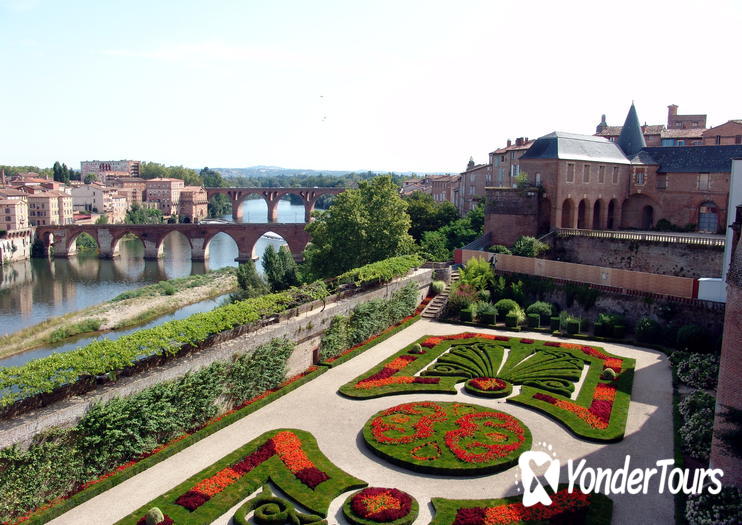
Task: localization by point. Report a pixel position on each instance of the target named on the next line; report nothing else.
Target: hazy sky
(378, 85)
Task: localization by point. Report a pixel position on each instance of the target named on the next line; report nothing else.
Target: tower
(631, 140)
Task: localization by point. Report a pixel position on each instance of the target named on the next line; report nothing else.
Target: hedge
(382, 271)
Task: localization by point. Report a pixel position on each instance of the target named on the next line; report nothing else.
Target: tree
(90, 178)
(57, 171)
(103, 219)
(433, 246)
(219, 205)
(251, 284)
(428, 215)
(362, 226)
(138, 215)
(279, 268)
(529, 247)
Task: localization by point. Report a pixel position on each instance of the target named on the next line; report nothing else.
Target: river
(34, 290)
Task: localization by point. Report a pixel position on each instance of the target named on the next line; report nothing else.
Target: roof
(8, 202)
(514, 147)
(693, 159)
(693, 133)
(647, 129)
(478, 167)
(631, 140)
(164, 179)
(571, 146)
(13, 191)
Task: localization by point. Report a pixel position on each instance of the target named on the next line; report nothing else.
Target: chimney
(509, 143)
(672, 110)
(519, 141)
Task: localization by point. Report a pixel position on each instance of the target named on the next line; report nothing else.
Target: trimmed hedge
(382, 271)
(354, 519)
(315, 499)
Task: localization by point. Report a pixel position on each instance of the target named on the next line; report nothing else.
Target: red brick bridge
(271, 196)
(108, 236)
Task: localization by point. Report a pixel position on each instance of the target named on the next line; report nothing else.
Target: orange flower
(288, 447)
(218, 482)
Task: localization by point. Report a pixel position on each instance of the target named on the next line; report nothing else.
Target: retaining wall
(304, 326)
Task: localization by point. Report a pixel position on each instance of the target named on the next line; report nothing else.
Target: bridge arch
(238, 214)
(115, 243)
(172, 235)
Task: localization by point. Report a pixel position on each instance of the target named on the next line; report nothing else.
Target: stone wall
(678, 259)
(305, 329)
(510, 214)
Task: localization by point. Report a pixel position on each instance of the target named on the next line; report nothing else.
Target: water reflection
(32, 291)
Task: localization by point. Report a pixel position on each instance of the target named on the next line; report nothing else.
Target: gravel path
(336, 422)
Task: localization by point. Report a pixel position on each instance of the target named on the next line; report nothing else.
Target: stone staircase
(437, 305)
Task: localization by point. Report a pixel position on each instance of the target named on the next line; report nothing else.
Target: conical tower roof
(631, 139)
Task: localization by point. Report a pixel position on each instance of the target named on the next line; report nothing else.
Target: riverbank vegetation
(130, 308)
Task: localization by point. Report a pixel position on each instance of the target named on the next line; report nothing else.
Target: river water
(34, 290)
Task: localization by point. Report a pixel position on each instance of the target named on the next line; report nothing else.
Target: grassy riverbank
(134, 307)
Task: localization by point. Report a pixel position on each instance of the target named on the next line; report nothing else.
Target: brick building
(104, 168)
(133, 188)
(724, 135)
(194, 204)
(100, 199)
(590, 182)
(165, 193)
(681, 130)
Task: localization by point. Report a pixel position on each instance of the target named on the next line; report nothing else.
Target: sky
(347, 85)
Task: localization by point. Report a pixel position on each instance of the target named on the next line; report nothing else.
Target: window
(639, 177)
(661, 181)
(681, 143)
(501, 177)
(615, 174)
(502, 158)
(738, 139)
(718, 139)
(512, 155)
(667, 142)
(601, 174)
(586, 173)
(703, 181)
(497, 161)
(538, 179)
(570, 172)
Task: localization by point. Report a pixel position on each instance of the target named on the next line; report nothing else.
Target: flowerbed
(375, 505)
(447, 438)
(569, 508)
(546, 370)
(287, 457)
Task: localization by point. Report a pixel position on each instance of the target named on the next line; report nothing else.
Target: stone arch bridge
(271, 196)
(199, 236)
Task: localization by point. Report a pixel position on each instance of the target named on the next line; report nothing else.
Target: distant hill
(276, 171)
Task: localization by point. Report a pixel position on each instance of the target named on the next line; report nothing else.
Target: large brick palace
(591, 182)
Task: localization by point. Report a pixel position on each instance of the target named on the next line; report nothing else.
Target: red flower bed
(527, 341)
(553, 343)
(167, 521)
(380, 504)
(562, 503)
(488, 384)
(598, 415)
(468, 424)
(286, 445)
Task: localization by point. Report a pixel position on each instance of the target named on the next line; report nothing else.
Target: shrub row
(382, 271)
(696, 370)
(696, 411)
(366, 320)
(122, 429)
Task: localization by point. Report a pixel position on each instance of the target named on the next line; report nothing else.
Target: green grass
(435, 456)
(316, 500)
(83, 327)
(173, 286)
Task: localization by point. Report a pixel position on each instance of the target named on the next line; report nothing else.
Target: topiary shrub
(534, 321)
(554, 323)
(693, 338)
(499, 248)
(608, 374)
(648, 331)
(573, 326)
(696, 370)
(511, 320)
(696, 433)
(505, 306)
(487, 314)
(462, 295)
(437, 287)
(618, 331)
(724, 508)
(599, 329)
(154, 516)
(696, 401)
(543, 309)
(467, 314)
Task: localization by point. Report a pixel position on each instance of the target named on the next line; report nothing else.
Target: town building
(194, 204)
(101, 199)
(131, 187)
(107, 168)
(681, 130)
(165, 192)
(724, 135)
(13, 212)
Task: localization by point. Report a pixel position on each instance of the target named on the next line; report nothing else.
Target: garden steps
(436, 306)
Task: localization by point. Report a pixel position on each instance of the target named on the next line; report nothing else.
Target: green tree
(57, 172)
(477, 273)
(433, 246)
(138, 215)
(362, 226)
(529, 247)
(251, 284)
(103, 219)
(90, 178)
(279, 268)
(219, 205)
(428, 215)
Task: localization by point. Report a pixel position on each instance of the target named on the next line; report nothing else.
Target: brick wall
(510, 214)
(680, 260)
